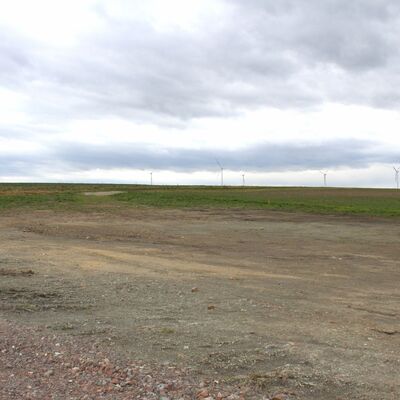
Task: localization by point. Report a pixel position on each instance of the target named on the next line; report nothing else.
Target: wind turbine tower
(325, 175)
(244, 182)
(396, 177)
(222, 172)
(151, 178)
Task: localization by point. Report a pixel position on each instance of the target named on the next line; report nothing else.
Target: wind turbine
(324, 174)
(244, 182)
(222, 172)
(151, 178)
(396, 176)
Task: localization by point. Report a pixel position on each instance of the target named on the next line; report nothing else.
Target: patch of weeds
(16, 294)
(277, 377)
(10, 272)
(94, 331)
(232, 360)
(74, 307)
(167, 331)
(25, 307)
(22, 299)
(63, 327)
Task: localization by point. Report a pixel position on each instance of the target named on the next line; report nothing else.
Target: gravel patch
(36, 364)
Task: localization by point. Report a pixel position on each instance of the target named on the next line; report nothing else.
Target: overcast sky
(109, 90)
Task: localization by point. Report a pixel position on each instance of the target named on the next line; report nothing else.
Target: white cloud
(54, 22)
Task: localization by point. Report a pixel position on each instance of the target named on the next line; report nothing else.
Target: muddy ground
(281, 301)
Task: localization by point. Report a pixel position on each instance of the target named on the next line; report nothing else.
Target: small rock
(279, 396)
(195, 289)
(211, 307)
(202, 394)
(48, 373)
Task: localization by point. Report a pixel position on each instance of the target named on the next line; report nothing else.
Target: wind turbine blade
(218, 163)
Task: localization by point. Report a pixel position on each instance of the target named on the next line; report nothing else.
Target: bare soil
(101, 194)
(264, 302)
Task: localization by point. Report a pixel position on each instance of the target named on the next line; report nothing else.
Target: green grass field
(372, 202)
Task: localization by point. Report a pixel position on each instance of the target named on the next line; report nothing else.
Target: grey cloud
(16, 69)
(286, 54)
(25, 164)
(266, 157)
(263, 157)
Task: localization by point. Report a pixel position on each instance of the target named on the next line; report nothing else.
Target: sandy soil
(102, 194)
(274, 302)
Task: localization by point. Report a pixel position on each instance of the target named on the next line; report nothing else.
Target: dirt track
(304, 304)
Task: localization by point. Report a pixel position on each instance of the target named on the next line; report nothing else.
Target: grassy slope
(315, 200)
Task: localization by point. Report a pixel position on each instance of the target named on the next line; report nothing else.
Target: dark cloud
(353, 35)
(68, 157)
(263, 157)
(286, 54)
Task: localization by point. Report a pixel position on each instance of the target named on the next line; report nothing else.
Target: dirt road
(280, 302)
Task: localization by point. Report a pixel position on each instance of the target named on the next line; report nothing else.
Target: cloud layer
(261, 158)
(167, 67)
(287, 54)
